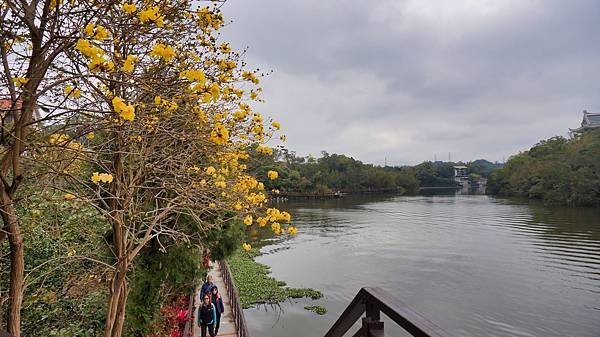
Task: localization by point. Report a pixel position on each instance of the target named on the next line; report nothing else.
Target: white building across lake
(591, 120)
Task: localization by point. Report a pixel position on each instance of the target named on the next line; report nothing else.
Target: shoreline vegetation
(558, 171)
(255, 286)
(332, 175)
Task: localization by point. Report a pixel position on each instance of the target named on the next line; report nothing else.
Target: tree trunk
(17, 265)
(117, 302)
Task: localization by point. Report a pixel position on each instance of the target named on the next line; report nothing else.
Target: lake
(474, 265)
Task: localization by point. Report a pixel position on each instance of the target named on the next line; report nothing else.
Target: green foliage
(435, 174)
(441, 174)
(557, 170)
(222, 243)
(160, 276)
(255, 286)
(483, 167)
(330, 173)
(317, 309)
(65, 294)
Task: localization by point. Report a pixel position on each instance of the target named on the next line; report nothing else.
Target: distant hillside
(483, 167)
(441, 174)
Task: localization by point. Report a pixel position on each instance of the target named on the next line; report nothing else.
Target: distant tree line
(338, 172)
(332, 173)
(556, 170)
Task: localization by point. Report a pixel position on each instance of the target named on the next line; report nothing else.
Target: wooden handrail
(372, 301)
(234, 300)
(187, 330)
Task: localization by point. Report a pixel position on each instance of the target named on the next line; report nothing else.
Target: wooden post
(372, 324)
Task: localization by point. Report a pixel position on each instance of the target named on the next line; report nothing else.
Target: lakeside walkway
(227, 328)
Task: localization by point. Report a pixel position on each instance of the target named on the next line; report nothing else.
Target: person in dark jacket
(207, 317)
(207, 286)
(219, 307)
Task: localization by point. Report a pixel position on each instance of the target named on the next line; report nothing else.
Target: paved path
(227, 328)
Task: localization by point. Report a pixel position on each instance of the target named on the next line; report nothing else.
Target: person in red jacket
(219, 307)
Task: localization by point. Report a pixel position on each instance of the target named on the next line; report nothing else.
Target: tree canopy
(556, 170)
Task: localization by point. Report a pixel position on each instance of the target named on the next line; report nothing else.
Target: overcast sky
(407, 80)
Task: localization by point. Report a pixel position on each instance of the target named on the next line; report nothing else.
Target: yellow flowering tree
(169, 107)
(34, 37)
(153, 110)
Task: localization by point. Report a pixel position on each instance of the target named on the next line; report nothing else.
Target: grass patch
(255, 286)
(317, 309)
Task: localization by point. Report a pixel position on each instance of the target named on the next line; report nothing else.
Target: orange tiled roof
(6, 104)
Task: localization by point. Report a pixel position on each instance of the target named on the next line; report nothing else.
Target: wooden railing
(234, 300)
(189, 324)
(373, 301)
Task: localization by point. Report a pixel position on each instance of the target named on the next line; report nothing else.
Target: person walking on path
(207, 286)
(207, 317)
(219, 307)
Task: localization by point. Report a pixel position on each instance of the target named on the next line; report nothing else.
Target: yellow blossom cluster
(163, 51)
(208, 93)
(64, 152)
(96, 32)
(246, 246)
(225, 48)
(20, 81)
(275, 217)
(256, 198)
(249, 76)
(208, 19)
(69, 197)
(210, 170)
(264, 150)
(152, 14)
(54, 4)
(95, 55)
(219, 134)
(276, 228)
(194, 75)
(126, 111)
(129, 63)
(72, 92)
(128, 8)
(272, 175)
(167, 106)
(101, 177)
(63, 140)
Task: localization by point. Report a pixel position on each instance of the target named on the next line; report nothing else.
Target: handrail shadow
(373, 301)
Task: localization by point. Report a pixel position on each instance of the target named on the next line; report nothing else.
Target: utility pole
(449, 158)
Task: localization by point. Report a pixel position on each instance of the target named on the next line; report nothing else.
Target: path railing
(373, 301)
(189, 324)
(234, 300)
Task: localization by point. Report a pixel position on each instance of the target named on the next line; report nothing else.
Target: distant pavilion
(591, 120)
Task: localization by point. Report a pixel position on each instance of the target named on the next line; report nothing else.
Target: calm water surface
(474, 265)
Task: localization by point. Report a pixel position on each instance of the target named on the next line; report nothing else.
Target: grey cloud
(407, 79)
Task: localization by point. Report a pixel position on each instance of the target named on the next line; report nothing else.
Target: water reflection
(473, 264)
